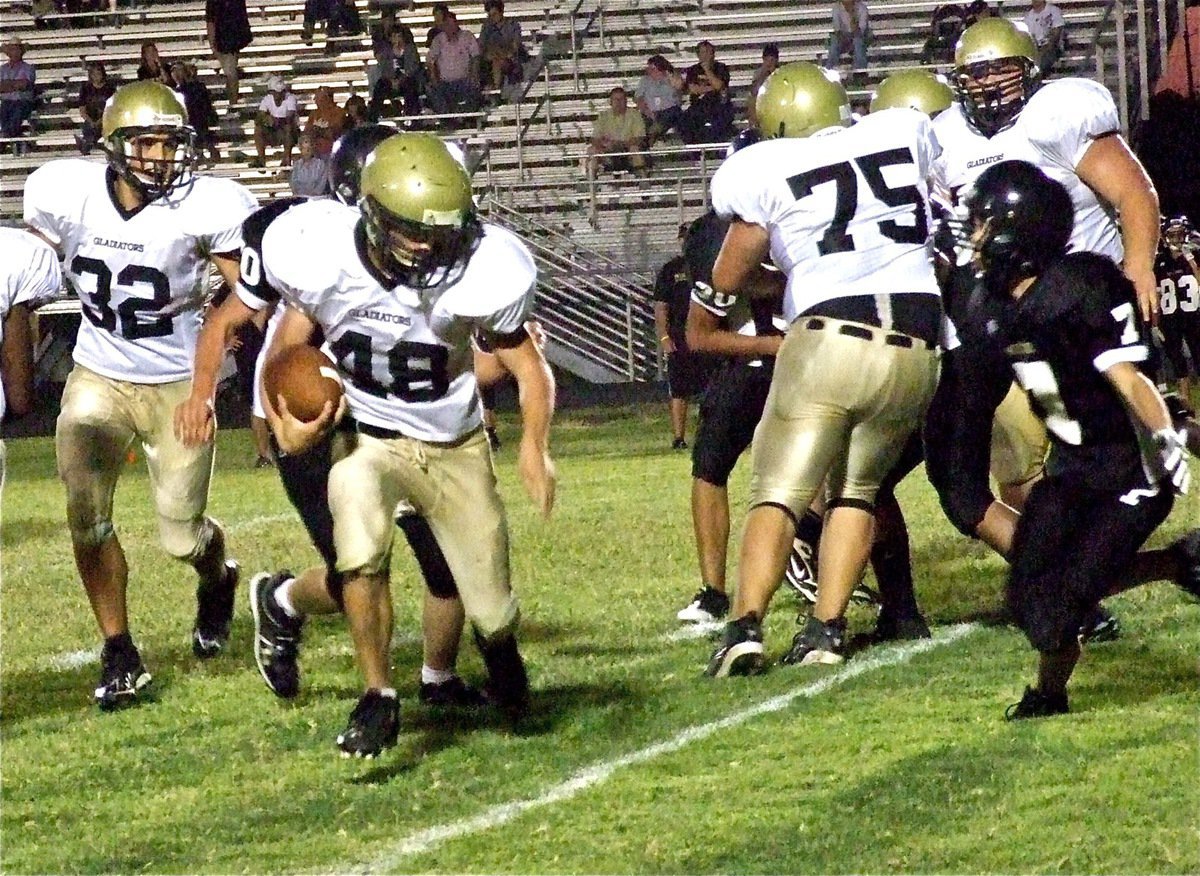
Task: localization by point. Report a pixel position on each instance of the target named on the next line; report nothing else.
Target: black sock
(122, 643)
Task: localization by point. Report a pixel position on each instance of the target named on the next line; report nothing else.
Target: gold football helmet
(145, 133)
(418, 213)
(917, 89)
(995, 73)
(799, 99)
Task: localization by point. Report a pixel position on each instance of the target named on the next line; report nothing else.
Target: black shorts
(729, 412)
(1182, 330)
(688, 373)
(1072, 543)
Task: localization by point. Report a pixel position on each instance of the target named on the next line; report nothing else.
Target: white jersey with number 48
(841, 206)
(141, 276)
(404, 354)
(30, 276)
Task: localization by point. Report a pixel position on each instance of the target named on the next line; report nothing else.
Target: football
(306, 378)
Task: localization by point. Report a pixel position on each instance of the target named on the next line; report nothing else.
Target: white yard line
(588, 777)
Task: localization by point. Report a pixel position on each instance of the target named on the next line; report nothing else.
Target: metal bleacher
(598, 240)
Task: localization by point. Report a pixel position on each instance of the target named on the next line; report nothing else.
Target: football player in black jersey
(305, 476)
(1179, 300)
(1068, 324)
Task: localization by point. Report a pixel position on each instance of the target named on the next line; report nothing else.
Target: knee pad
(965, 505)
(186, 540)
(94, 535)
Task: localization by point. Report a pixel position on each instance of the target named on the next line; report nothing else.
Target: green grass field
(898, 761)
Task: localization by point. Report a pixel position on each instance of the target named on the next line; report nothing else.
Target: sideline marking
(494, 816)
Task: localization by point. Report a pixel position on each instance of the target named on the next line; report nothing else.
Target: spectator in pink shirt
(454, 69)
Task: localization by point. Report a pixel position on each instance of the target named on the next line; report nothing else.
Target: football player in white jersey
(138, 235)
(30, 276)
(397, 290)
(843, 212)
(1069, 129)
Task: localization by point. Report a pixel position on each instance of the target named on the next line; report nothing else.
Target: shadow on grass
(439, 729)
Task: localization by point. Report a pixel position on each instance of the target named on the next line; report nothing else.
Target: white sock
(283, 597)
(435, 676)
(389, 692)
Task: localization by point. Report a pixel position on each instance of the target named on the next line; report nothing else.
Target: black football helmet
(1178, 236)
(743, 138)
(349, 154)
(1018, 221)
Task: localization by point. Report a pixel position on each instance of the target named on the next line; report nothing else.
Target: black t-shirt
(232, 32)
(695, 74)
(1079, 318)
(674, 288)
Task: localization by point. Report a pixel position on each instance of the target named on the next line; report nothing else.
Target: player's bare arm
(535, 387)
(1113, 172)
(1143, 400)
(194, 419)
(704, 334)
(296, 436)
(16, 360)
(739, 269)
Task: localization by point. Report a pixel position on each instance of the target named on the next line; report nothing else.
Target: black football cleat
(819, 643)
(1187, 550)
(707, 606)
(740, 651)
(453, 693)
(276, 636)
(374, 725)
(1099, 626)
(1035, 704)
(214, 613)
(508, 684)
(123, 678)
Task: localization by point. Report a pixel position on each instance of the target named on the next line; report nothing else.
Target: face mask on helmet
(155, 160)
(1179, 237)
(993, 93)
(416, 254)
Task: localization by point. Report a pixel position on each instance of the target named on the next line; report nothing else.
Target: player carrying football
(137, 235)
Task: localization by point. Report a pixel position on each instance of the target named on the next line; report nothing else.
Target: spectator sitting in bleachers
(658, 97)
(356, 112)
(454, 69)
(770, 61)
(152, 66)
(228, 28)
(310, 174)
(96, 89)
(381, 31)
(851, 33)
(325, 122)
(314, 11)
(709, 115)
(397, 75)
(501, 47)
(277, 122)
(17, 96)
(1046, 25)
(977, 10)
(438, 11)
(945, 27)
(344, 19)
(199, 105)
(617, 129)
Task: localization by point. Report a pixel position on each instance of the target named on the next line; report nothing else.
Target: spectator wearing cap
(501, 47)
(454, 69)
(658, 97)
(770, 62)
(277, 122)
(851, 33)
(93, 94)
(1046, 25)
(709, 115)
(17, 79)
(617, 129)
(228, 27)
(325, 122)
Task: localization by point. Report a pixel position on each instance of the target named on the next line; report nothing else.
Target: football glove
(1172, 456)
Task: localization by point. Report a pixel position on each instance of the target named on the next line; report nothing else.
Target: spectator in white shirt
(1045, 24)
(277, 122)
(454, 69)
(310, 173)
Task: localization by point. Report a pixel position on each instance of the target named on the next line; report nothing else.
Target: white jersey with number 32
(404, 354)
(141, 277)
(841, 207)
